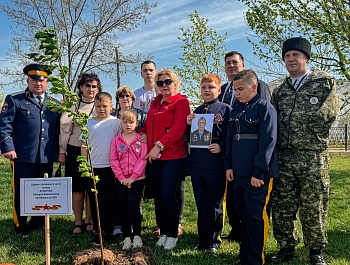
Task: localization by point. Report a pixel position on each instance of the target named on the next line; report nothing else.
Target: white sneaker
(127, 243)
(137, 243)
(161, 241)
(170, 242)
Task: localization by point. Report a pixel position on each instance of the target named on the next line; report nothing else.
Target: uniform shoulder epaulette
(17, 93)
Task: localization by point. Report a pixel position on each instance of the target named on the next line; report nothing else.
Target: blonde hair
(172, 75)
(129, 115)
(124, 90)
(202, 119)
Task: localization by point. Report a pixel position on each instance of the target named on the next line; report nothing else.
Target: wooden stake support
(47, 234)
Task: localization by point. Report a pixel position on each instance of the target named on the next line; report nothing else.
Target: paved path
(339, 152)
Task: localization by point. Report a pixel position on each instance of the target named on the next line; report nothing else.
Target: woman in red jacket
(165, 127)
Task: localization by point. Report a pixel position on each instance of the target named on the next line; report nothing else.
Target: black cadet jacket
(252, 157)
(202, 157)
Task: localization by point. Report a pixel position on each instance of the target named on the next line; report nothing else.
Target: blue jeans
(165, 178)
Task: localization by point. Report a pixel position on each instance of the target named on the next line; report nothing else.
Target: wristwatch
(160, 145)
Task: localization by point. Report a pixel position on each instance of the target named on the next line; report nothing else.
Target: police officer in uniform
(307, 105)
(29, 138)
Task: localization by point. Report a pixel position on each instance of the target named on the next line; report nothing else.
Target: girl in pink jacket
(128, 163)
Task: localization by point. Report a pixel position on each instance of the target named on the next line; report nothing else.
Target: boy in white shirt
(102, 130)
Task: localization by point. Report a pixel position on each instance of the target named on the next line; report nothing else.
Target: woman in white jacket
(87, 87)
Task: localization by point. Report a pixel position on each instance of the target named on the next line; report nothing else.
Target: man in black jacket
(234, 63)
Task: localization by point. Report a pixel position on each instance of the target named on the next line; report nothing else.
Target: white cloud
(159, 36)
(162, 27)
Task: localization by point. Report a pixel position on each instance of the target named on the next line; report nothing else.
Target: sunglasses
(167, 82)
(124, 96)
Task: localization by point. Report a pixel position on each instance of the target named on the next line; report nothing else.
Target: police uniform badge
(138, 146)
(5, 107)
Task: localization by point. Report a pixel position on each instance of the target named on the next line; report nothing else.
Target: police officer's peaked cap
(298, 44)
(36, 71)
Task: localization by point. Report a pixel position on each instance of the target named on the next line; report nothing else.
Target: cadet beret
(298, 44)
(36, 71)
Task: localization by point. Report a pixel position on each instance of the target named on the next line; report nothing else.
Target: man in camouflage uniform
(307, 105)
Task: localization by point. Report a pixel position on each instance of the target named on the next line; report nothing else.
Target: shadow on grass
(63, 244)
(184, 253)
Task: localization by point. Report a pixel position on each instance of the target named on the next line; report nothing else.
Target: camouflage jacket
(305, 116)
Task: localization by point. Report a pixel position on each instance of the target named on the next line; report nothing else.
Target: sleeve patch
(5, 107)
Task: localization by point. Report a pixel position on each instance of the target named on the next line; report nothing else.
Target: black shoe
(36, 227)
(22, 231)
(199, 247)
(110, 240)
(96, 240)
(239, 262)
(211, 250)
(285, 254)
(118, 238)
(317, 260)
(231, 237)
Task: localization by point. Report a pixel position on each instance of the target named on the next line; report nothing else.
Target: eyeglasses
(124, 96)
(167, 82)
(91, 86)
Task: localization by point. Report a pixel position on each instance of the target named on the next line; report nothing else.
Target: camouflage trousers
(303, 184)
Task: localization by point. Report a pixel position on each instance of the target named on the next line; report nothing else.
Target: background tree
(2, 97)
(326, 23)
(203, 51)
(49, 47)
(87, 31)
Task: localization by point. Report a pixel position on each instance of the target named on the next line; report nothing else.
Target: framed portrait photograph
(201, 131)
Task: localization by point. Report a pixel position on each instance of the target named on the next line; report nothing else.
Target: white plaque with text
(46, 196)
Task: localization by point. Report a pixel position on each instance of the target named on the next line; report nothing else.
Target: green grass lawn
(64, 245)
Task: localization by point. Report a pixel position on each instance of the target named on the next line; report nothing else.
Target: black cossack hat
(298, 44)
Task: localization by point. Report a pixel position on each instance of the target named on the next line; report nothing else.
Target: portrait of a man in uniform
(202, 135)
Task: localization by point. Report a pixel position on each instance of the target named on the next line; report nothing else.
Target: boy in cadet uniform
(251, 162)
(29, 138)
(207, 168)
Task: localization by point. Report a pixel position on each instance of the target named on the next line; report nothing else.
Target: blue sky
(159, 35)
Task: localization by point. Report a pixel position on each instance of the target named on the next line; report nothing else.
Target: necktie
(228, 95)
(40, 100)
